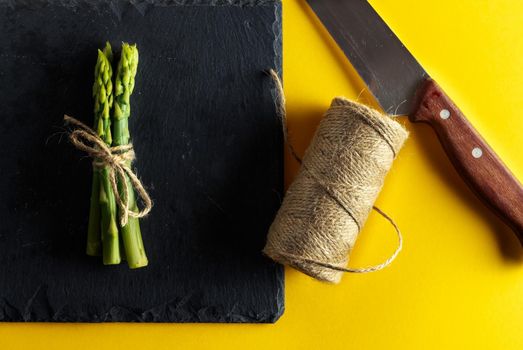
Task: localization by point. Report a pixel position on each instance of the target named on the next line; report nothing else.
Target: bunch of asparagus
(106, 236)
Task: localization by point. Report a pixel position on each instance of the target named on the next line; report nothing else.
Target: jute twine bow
(329, 201)
(117, 159)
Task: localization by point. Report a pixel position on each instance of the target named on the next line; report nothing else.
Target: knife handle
(475, 161)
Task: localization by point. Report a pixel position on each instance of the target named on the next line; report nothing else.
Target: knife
(400, 84)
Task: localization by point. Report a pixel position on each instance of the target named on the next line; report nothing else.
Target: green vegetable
(124, 85)
(104, 231)
(109, 226)
(103, 102)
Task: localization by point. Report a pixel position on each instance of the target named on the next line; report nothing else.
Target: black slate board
(209, 150)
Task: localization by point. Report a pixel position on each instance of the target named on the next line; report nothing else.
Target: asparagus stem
(103, 101)
(109, 226)
(111, 244)
(124, 85)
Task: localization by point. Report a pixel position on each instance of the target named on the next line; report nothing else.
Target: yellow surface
(458, 283)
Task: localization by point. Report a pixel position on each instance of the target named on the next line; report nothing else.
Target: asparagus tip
(108, 51)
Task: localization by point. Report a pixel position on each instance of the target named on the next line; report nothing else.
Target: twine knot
(117, 160)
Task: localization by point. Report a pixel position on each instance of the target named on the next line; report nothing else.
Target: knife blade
(402, 87)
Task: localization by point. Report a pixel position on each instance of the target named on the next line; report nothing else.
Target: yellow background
(459, 281)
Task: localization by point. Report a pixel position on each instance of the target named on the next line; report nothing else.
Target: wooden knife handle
(472, 157)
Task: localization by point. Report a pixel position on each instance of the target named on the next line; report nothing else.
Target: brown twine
(117, 159)
(340, 177)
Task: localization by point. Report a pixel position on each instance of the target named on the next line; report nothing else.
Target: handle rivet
(477, 152)
(444, 114)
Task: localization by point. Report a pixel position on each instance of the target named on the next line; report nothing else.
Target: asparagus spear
(124, 85)
(103, 102)
(107, 202)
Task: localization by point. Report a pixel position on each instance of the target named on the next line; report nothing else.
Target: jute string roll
(329, 201)
(116, 159)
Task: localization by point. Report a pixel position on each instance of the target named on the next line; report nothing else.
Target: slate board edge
(278, 64)
(139, 5)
